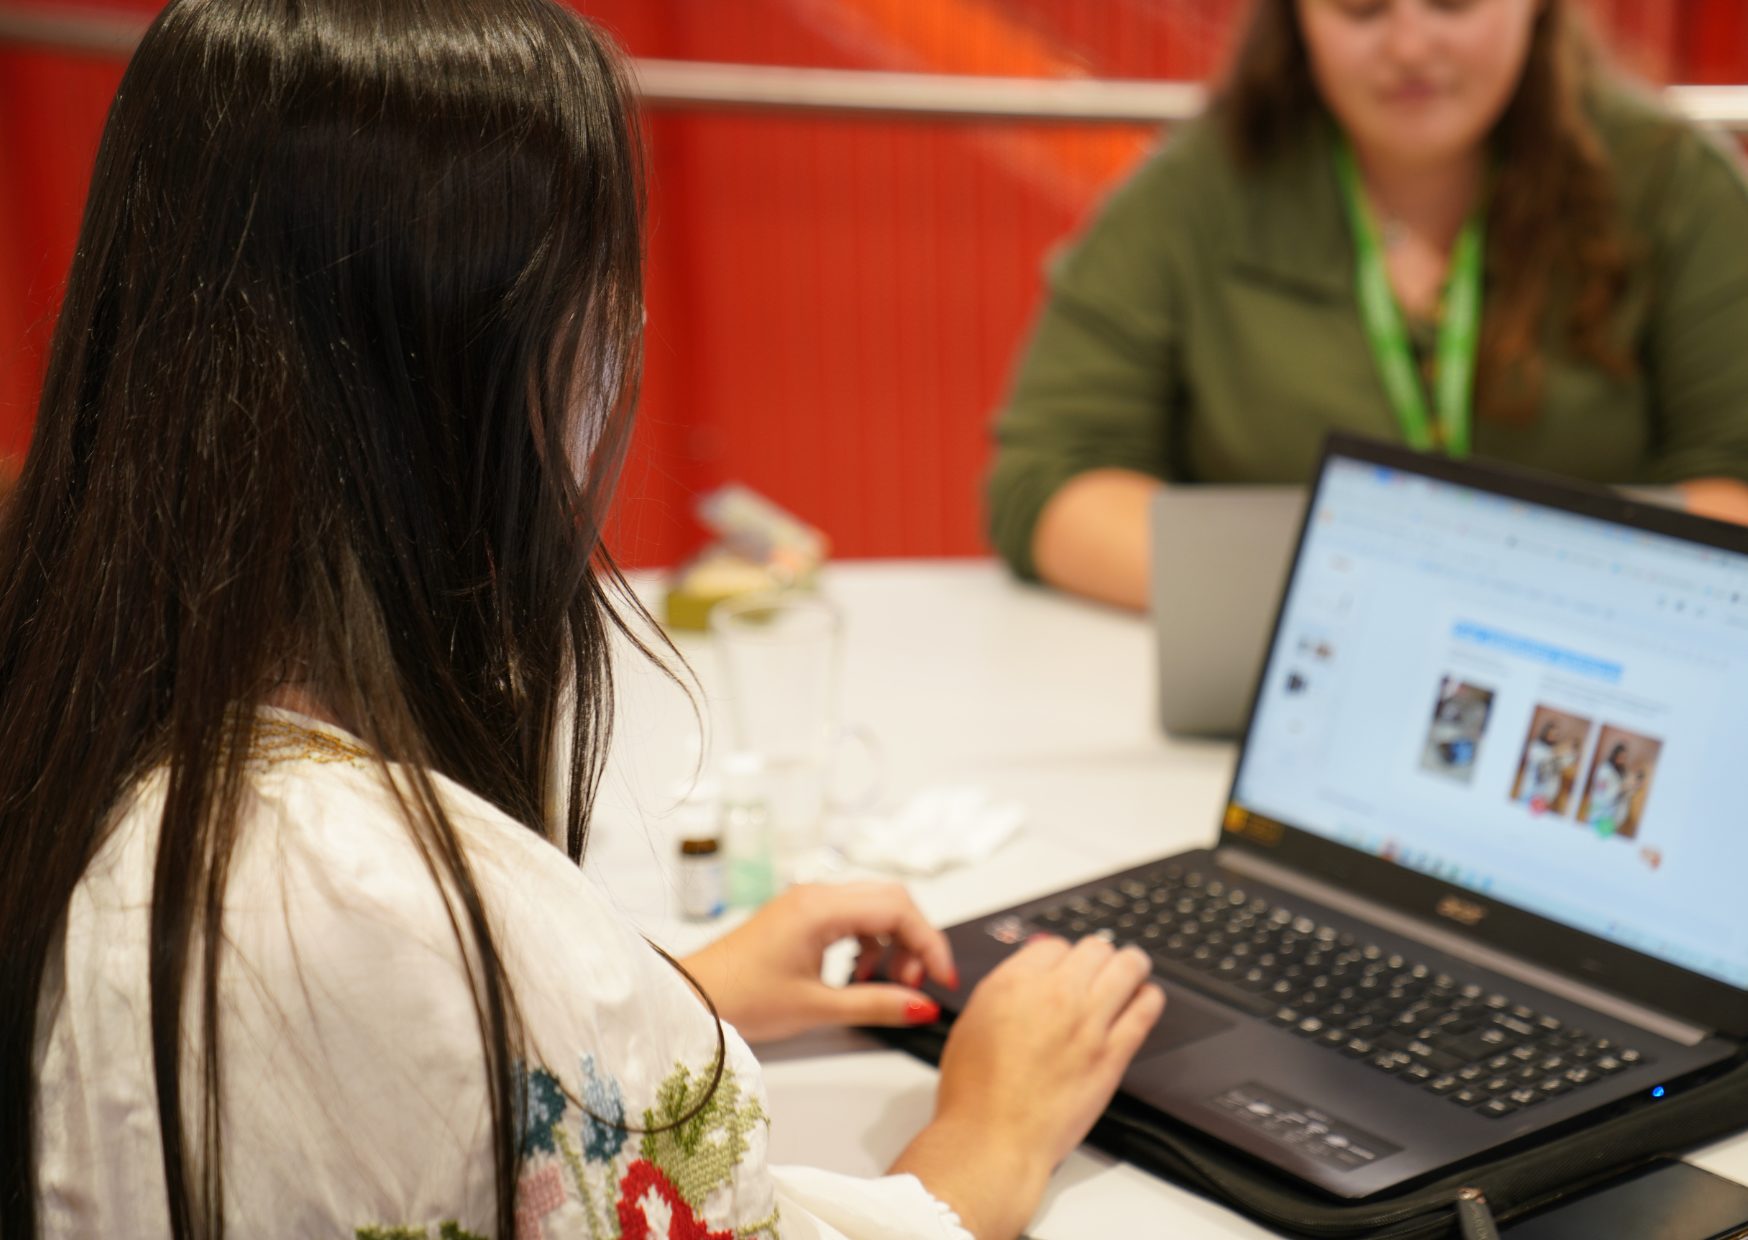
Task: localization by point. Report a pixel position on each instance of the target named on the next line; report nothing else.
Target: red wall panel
(51, 113)
(833, 303)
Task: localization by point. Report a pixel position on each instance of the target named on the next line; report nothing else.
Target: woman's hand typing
(1028, 1068)
(764, 976)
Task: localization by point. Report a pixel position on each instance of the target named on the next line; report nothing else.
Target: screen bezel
(1634, 975)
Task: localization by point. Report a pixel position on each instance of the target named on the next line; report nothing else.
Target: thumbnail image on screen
(1459, 721)
(1549, 766)
(1620, 782)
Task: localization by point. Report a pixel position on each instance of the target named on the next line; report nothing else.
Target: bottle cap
(743, 776)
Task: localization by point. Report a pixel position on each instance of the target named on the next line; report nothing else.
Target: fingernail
(1040, 936)
(921, 1012)
(952, 977)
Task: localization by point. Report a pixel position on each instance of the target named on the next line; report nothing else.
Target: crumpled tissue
(936, 829)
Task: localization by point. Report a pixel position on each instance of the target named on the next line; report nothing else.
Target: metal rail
(705, 85)
(932, 96)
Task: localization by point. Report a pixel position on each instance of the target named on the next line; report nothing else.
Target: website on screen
(1541, 707)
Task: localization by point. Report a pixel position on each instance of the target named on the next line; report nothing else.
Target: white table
(965, 677)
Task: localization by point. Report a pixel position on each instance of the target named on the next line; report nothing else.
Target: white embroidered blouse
(354, 1095)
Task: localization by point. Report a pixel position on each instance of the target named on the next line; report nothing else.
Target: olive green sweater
(1204, 329)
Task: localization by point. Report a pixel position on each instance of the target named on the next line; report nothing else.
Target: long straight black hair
(339, 391)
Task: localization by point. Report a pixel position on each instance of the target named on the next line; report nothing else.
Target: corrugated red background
(834, 303)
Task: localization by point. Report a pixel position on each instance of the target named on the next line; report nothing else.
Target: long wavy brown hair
(1555, 238)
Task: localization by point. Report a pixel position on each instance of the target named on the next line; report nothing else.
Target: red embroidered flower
(644, 1179)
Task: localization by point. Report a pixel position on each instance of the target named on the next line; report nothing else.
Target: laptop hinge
(1649, 1019)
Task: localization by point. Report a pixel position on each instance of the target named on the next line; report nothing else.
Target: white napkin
(934, 830)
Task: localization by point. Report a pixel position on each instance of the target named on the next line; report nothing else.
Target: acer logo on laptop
(1460, 910)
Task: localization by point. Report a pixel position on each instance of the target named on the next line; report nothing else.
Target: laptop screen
(1545, 708)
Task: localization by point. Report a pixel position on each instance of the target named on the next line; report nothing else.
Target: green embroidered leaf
(764, 1229)
(449, 1229)
(701, 1154)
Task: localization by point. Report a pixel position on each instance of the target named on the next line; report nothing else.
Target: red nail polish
(921, 1012)
(952, 978)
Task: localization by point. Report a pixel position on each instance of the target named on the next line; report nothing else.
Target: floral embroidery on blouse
(604, 1115)
(582, 1176)
(602, 1185)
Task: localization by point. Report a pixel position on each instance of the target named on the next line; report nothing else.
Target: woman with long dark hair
(305, 687)
(1439, 221)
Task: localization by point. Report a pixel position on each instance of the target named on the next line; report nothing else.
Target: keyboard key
(1360, 999)
(1495, 1108)
(1468, 1096)
(1165, 965)
(1433, 1058)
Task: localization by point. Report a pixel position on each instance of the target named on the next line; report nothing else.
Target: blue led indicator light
(1658, 1092)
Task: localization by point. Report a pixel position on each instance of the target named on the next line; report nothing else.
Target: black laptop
(1483, 864)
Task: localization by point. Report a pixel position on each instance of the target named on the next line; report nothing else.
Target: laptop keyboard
(1456, 1039)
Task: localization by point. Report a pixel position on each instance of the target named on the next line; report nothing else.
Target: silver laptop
(1219, 556)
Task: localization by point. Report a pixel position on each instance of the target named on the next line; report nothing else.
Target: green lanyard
(1459, 327)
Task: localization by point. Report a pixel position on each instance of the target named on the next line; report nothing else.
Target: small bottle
(746, 832)
(700, 870)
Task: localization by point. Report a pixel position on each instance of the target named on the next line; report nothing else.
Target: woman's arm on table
(1093, 537)
(1722, 499)
(1694, 348)
(1093, 399)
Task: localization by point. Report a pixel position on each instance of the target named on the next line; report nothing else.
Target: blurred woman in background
(305, 687)
(1439, 221)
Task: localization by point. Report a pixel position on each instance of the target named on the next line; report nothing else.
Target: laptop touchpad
(1185, 1020)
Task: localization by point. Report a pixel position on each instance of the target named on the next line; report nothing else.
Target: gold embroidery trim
(275, 740)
